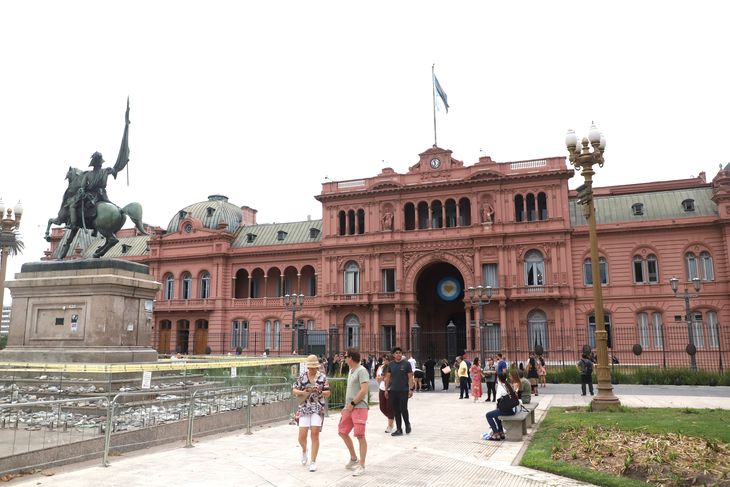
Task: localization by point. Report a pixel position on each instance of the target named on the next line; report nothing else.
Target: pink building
(395, 250)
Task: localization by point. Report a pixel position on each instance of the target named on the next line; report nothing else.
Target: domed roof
(211, 212)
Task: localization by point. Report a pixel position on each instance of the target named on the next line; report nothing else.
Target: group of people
(396, 381)
(397, 377)
(470, 375)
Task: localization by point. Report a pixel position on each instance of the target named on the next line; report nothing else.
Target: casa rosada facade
(393, 256)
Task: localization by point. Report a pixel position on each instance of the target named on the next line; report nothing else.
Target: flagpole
(433, 92)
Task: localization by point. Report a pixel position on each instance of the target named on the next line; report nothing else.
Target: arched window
(537, 329)
(592, 329)
(707, 272)
(691, 260)
(351, 222)
(341, 222)
(450, 213)
(352, 278)
(169, 287)
(352, 331)
(239, 334)
(531, 213)
(519, 208)
(646, 270)
(360, 221)
(464, 212)
(542, 213)
(277, 335)
(588, 271)
(409, 214)
(205, 285)
(267, 334)
(422, 215)
(437, 214)
(187, 285)
(651, 335)
(534, 269)
(704, 331)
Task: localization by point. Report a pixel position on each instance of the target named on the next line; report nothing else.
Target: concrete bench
(515, 426)
(531, 409)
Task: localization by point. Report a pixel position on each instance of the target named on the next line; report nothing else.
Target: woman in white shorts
(311, 389)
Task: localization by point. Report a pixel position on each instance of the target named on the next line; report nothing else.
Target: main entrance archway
(440, 294)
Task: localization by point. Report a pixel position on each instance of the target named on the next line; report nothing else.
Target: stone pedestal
(91, 311)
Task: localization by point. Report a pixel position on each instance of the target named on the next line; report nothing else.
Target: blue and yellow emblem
(448, 289)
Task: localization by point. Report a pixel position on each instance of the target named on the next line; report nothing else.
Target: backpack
(586, 367)
(506, 404)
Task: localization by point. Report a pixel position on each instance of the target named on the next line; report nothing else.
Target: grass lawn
(630, 447)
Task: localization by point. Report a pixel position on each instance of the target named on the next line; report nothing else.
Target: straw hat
(312, 362)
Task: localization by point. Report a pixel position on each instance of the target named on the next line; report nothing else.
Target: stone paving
(444, 449)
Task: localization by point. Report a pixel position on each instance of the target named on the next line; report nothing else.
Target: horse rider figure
(92, 191)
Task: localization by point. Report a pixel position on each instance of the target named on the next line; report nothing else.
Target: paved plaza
(444, 449)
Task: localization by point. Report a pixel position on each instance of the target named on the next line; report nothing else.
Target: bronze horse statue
(107, 219)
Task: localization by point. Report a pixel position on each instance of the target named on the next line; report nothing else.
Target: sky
(261, 101)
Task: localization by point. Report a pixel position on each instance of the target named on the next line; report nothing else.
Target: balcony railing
(528, 292)
(184, 304)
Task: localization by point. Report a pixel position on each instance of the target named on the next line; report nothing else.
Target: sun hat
(312, 362)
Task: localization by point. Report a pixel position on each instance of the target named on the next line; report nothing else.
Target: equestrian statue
(86, 204)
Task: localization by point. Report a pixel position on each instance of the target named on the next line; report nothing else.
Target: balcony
(184, 305)
(554, 291)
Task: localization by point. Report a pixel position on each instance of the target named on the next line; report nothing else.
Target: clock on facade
(435, 163)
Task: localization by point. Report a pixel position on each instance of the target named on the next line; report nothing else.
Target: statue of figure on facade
(487, 213)
(387, 221)
(86, 204)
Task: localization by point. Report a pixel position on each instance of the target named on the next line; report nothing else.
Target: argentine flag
(441, 93)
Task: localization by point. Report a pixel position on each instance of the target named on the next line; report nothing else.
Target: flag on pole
(441, 93)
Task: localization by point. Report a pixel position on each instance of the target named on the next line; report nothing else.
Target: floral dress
(476, 381)
(314, 403)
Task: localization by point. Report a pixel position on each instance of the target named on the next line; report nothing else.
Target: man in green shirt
(355, 413)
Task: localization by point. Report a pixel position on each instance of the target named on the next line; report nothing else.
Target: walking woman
(490, 378)
(385, 407)
(445, 373)
(504, 388)
(476, 379)
(532, 375)
(311, 389)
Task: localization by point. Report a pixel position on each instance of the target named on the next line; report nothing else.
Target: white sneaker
(357, 471)
(312, 467)
(304, 459)
(352, 464)
(389, 429)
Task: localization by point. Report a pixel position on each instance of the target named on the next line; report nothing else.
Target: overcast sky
(260, 101)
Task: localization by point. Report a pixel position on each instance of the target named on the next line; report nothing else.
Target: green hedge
(645, 376)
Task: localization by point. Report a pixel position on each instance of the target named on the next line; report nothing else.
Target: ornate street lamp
(294, 303)
(10, 243)
(584, 159)
(691, 348)
(480, 296)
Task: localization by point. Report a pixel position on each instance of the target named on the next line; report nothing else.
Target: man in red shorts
(355, 413)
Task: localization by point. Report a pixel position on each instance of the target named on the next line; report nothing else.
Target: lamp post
(691, 348)
(480, 296)
(10, 243)
(584, 159)
(294, 303)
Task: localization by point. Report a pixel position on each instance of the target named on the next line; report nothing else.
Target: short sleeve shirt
(501, 367)
(315, 403)
(399, 375)
(356, 377)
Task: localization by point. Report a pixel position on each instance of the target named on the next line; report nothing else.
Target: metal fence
(126, 421)
(663, 346)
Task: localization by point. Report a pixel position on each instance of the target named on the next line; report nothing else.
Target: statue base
(91, 310)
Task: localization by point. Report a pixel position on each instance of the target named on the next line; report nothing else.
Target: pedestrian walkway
(445, 449)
